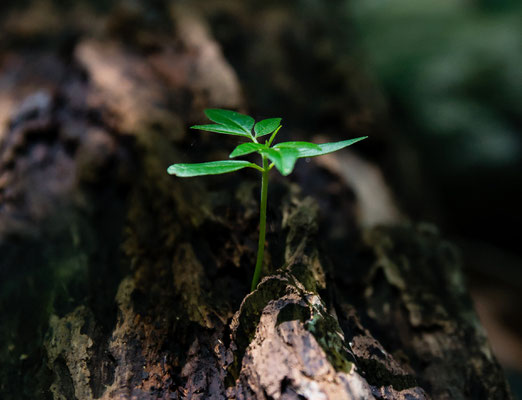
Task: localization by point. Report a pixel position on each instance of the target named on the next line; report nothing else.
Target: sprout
(282, 155)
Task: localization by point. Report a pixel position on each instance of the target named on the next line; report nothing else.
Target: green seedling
(282, 155)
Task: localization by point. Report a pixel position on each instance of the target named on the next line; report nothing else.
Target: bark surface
(118, 281)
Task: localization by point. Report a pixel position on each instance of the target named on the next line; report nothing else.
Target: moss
(326, 331)
(377, 374)
(293, 312)
(302, 273)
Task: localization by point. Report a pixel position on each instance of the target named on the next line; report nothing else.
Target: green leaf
(227, 130)
(231, 119)
(208, 168)
(298, 146)
(266, 126)
(326, 148)
(283, 158)
(246, 148)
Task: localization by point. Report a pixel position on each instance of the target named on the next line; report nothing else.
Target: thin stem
(262, 225)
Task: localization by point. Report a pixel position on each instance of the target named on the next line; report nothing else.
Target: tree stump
(121, 282)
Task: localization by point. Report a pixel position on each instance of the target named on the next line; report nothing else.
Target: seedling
(282, 155)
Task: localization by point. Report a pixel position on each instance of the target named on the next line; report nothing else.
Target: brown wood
(121, 282)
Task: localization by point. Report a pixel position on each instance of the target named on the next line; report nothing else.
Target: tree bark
(121, 282)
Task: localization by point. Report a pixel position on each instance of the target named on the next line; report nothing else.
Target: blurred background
(452, 78)
(436, 85)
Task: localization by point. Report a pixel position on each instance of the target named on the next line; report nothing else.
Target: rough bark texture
(121, 282)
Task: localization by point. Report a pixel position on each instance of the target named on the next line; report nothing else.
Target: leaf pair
(282, 155)
(233, 123)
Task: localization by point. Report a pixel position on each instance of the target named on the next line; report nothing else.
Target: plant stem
(262, 224)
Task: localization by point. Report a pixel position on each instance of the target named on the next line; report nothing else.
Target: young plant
(282, 155)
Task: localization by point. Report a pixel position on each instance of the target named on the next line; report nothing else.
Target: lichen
(247, 318)
(68, 352)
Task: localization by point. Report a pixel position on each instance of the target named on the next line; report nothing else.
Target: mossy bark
(121, 282)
